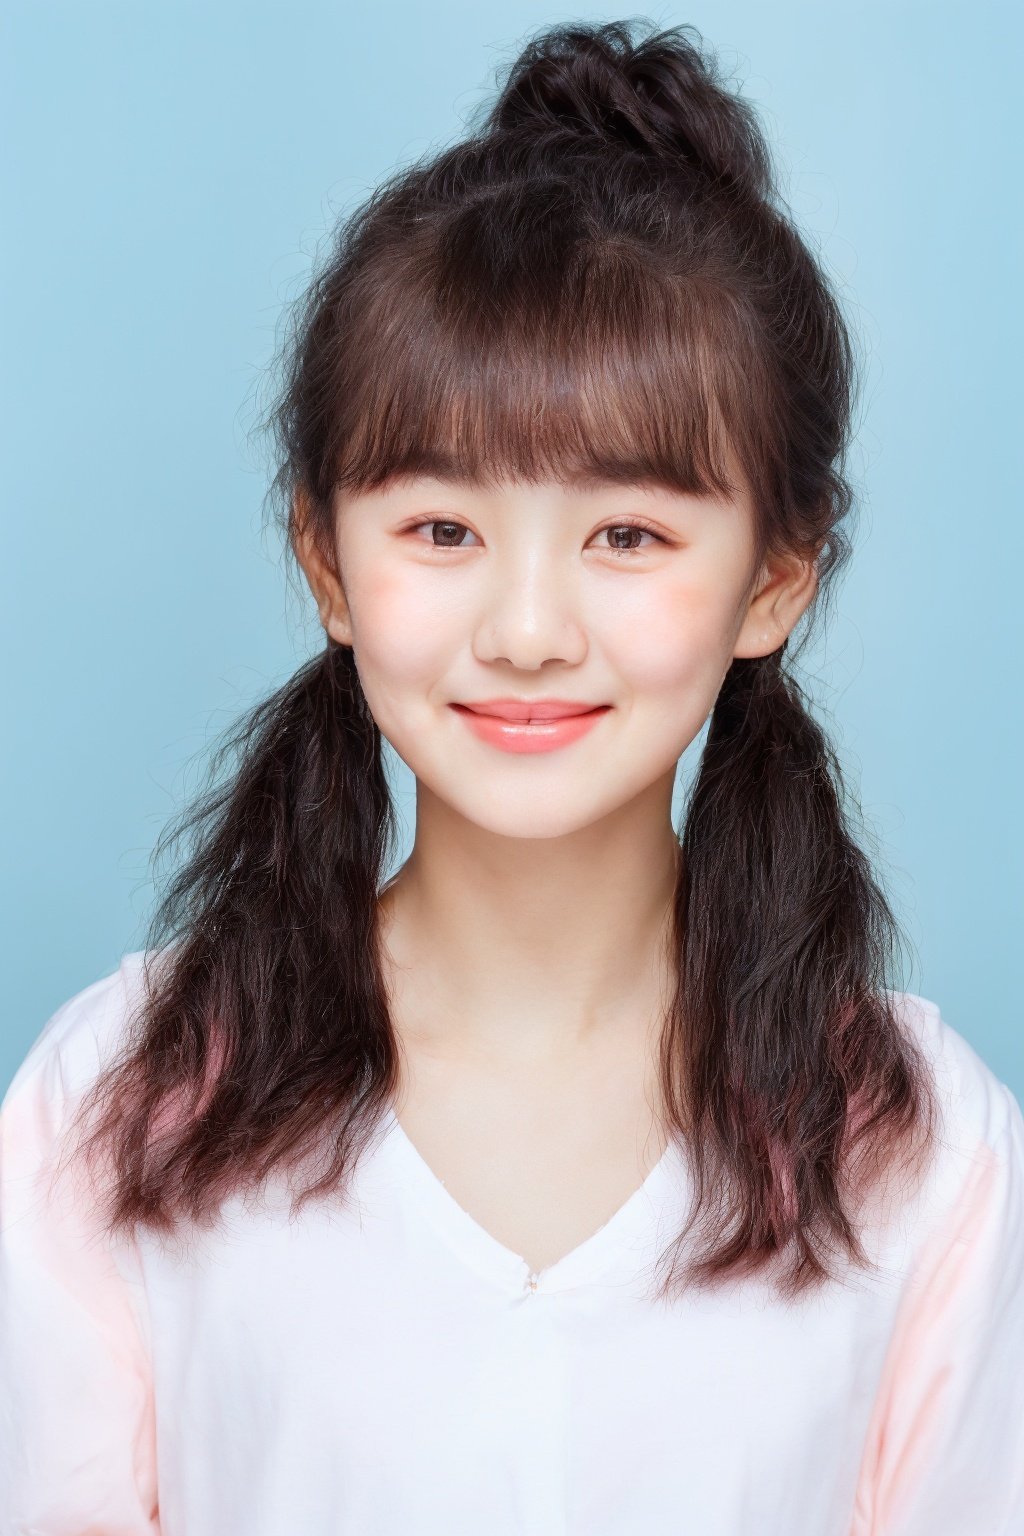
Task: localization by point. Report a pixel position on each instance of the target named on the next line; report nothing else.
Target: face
(630, 601)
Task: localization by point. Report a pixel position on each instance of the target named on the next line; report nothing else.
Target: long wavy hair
(601, 276)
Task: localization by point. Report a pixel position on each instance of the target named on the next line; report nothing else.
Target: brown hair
(600, 277)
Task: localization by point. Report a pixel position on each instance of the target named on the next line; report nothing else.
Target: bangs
(503, 354)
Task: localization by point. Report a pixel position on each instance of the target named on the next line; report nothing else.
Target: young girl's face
(631, 601)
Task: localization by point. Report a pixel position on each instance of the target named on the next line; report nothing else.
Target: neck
(522, 949)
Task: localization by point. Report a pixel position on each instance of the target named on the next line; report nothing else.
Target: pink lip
(530, 727)
(530, 709)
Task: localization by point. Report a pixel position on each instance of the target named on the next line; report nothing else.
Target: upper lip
(529, 709)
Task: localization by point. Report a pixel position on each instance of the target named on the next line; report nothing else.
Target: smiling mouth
(522, 729)
(540, 713)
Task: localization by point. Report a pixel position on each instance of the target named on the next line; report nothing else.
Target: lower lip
(532, 736)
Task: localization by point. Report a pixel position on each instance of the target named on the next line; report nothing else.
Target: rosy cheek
(669, 635)
(399, 626)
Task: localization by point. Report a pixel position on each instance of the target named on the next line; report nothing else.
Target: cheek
(403, 637)
(664, 637)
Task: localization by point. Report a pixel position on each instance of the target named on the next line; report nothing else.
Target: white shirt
(390, 1369)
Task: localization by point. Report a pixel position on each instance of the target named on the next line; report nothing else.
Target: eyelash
(435, 522)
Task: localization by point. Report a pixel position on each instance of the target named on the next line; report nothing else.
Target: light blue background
(168, 171)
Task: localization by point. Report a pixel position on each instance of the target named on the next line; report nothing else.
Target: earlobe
(334, 614)
(337, 626)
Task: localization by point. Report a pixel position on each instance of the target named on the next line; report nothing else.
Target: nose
(530, 615)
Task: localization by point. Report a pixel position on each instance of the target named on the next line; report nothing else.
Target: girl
(586, 1177)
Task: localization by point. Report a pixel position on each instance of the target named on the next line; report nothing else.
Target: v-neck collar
(617, 1250)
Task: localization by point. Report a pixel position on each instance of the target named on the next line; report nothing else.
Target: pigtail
(269, 1014)
(786, 1052)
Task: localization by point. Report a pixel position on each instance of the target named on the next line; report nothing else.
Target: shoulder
(977, 1106)
(978, 1161)
(82, 1035)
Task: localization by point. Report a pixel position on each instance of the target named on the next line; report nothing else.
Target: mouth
(520, 726)
(531, 712)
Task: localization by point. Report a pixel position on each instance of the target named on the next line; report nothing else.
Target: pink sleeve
(77, 1449)
(945, 1450)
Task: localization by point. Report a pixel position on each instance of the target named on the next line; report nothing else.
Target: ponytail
(269, 1014)
(785, 1051)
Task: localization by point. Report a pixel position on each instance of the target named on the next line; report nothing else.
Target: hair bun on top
(661, 95)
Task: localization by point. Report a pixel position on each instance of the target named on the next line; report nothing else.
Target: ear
(321, 574)
(786, 585)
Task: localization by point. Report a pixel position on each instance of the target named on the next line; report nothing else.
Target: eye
(629, 529)
(449, 533)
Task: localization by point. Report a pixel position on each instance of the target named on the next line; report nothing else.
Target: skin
(527, 938)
